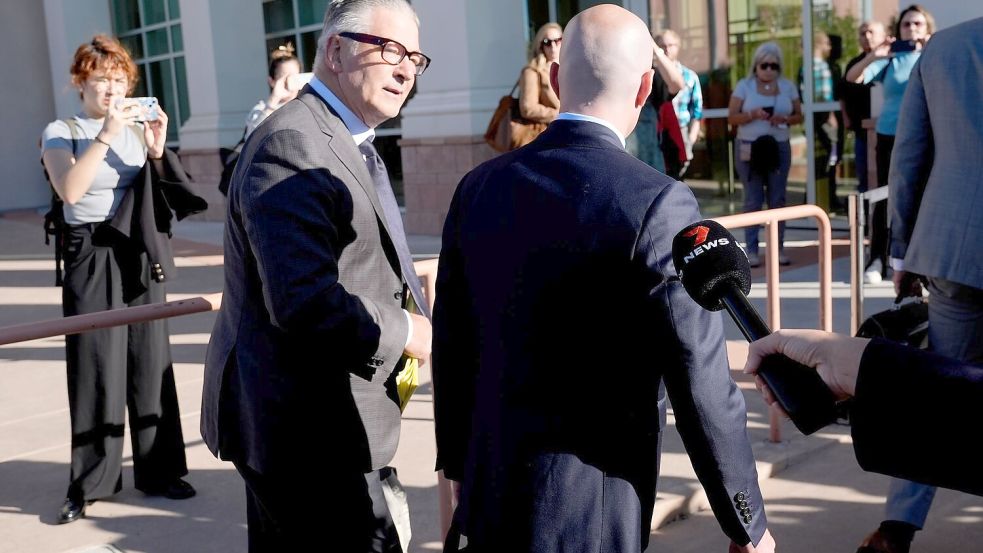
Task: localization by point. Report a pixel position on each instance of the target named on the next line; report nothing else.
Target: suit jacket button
(740, 497)
(745, 512)
(747, 519)
(742, 505)
(398, 295)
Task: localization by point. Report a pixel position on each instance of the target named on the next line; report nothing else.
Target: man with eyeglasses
(317, 318)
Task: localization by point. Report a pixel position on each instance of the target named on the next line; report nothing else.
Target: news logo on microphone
(706, 256)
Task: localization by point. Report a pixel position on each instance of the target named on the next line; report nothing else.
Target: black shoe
(175, 489)
(71, 510)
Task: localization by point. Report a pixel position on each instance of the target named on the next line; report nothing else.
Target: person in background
(645, 142)
(890, 65)
(855, 99)
(936, 204)
(764, 104)
(283, 64)
(537, 101)
(92, 160)
(688, 102)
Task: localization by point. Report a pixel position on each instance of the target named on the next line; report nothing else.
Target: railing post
(854, 209)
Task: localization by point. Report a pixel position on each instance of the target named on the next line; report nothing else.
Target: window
(151, 31)
(299, 22)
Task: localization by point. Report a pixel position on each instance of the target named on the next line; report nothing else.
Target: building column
(226, 66)
(478, 49)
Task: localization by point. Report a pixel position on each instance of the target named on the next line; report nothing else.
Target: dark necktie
(377, 169)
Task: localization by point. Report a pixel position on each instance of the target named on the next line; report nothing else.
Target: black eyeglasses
(552, 41)
(393, 52)
(772, 66)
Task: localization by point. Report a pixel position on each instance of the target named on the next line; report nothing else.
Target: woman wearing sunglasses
(537, 101)
(762, 107)
(890, 64)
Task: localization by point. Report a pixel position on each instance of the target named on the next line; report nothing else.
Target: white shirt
(360, 133)
(568, 116)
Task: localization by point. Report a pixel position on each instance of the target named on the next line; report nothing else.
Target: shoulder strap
(73, 127)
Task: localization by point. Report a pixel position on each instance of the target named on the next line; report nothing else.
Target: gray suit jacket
(311, 326)
(936, 178)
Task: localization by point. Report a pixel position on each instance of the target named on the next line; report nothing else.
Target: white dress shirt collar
(568, 116)
(360, 131)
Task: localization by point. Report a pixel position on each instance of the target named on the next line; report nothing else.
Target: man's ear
(644, 88)
(555, 78)
(332, 54)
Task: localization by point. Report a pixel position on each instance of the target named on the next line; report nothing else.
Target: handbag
(905, 323)
(507, 129)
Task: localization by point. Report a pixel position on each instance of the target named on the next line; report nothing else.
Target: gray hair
(767, 49)
(352, 16)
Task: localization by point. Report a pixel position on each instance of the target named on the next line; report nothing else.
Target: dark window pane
(153, 12)
(278, 15)
(126, 15)
(157, 42)
(181, 76)
(311, 11)
(141, 88)
(162, 85)
(308, 48)
(133, 45)
(173, 9)
(177, 39)
(539, 15)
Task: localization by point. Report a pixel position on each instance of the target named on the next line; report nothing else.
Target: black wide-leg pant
(118, 368)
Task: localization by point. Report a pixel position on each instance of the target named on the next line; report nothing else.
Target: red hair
(103, 53)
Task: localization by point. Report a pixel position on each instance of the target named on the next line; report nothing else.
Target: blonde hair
(537, 59)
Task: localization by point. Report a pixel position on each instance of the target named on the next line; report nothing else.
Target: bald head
(605, 67)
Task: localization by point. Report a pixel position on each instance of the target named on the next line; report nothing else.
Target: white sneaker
(873, 273)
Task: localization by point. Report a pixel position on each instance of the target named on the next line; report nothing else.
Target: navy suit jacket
(558, 319)
(904, 392)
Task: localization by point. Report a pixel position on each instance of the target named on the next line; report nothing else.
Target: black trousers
(879, 232)
(115, 369)
(318, 510)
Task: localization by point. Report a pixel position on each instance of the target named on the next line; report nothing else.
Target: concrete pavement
(817, 498)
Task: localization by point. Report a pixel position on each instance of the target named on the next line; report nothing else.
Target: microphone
(715, 272)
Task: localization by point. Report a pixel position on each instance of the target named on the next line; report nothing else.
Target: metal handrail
(770, 218)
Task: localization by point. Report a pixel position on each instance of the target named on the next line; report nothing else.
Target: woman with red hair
(92, 159)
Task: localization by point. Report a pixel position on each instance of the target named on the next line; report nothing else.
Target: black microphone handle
(798, 388)
(744, 314)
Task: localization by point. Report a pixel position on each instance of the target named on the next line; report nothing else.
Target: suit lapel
(341, 143)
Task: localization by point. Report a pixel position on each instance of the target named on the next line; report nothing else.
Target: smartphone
(297, 82)
(899, 46)
(148, 107)
(770, 110)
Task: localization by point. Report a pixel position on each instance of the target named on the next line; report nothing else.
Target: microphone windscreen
(707, 257)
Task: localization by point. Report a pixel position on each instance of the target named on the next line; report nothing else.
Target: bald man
(559, 325)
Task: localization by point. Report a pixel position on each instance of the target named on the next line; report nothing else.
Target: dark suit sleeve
(455, 350)
(910, 163)
(708, 406)
(291, 207)
(911, 413)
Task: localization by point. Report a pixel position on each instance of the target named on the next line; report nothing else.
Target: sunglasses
(772, 66)
(552, 41)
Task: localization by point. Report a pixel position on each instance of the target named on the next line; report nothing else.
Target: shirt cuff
(409, 328)
(897, 264)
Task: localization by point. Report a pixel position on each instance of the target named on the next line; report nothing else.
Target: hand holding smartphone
(147, 105)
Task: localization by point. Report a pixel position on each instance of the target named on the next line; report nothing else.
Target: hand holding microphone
(715, 272)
